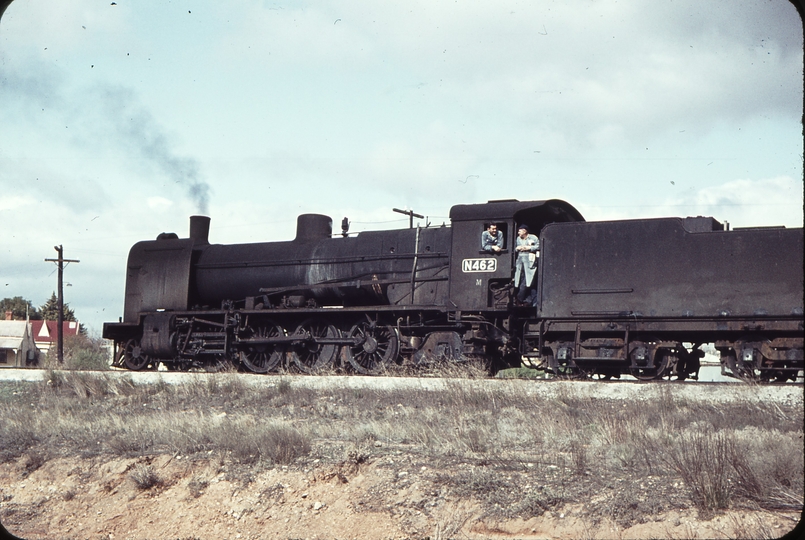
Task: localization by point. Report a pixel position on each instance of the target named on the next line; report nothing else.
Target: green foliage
(50, 310)
(81, 352)
(520, 373)
(20, 308)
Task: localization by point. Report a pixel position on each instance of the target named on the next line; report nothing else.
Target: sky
(119, 120)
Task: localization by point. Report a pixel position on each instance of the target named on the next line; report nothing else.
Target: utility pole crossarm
(63, 260)
(411, 215)
(60, 331)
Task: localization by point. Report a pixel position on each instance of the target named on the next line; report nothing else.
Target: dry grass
(522, 456)
(80, 352)
(702, 460)
(145, 477)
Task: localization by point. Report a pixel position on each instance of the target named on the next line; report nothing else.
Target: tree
(50, 310)
(19, 308)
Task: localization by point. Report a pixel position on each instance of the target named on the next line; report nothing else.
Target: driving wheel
(373, 349)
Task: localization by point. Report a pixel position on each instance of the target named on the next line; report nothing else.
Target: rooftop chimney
(9, 315)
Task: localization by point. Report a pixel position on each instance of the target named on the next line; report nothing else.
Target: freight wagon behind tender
(636, 297)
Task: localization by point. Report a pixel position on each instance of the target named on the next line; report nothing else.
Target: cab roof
(506, 209)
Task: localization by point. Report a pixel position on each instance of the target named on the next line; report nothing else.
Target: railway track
(712, 391)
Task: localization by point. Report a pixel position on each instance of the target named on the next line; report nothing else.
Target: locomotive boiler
(635, 297)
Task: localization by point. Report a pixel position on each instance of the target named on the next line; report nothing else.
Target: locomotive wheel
(262, 358)
(376, 348)
(133, 357)
(312, 357)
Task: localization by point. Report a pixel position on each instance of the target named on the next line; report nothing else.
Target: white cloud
(748, 203)
(160, 204)
(766, 202)
(15, 202)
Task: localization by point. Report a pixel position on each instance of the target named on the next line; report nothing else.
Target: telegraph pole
(410, 214)
(60, 332)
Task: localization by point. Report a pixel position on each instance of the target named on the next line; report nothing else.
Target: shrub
(196, 486)
(82, 353)
(702, 460)
(248, 442)
(145, 477)
(284, 444)
(18, 434)
(768, 468)
(284, 386)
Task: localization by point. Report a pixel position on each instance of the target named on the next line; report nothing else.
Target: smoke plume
(142, 134)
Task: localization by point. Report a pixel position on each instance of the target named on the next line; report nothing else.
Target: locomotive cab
(481, 280)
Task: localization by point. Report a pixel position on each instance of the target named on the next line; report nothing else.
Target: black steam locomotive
(635, 297)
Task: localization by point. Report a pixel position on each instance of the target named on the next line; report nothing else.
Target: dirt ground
(389, 496)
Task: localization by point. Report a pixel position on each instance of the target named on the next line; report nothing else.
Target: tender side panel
(656, 268)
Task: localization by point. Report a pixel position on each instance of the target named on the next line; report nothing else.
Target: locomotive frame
(634, 297)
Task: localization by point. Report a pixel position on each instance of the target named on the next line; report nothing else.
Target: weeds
(768, 468)
(468, 369)
(80, 352)
(35, 458)
(145, 477)
(248, 443)
(578, 456)
(519, 455)
(18, 434)
(283, 386)
(504, 494)
(196, 486)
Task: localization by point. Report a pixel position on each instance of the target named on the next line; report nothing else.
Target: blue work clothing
(487, 240)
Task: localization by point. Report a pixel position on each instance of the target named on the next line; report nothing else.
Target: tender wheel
(133, 357)
(262, 358)
(311, 356)
(602, 375)
(738, 368)
(591, 370)
(563, 369)
(375, 348)
(657, 371)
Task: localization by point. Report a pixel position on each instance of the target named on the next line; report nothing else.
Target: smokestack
(200, 229)
(9, 315)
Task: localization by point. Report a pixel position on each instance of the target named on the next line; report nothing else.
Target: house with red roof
(46, 333)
